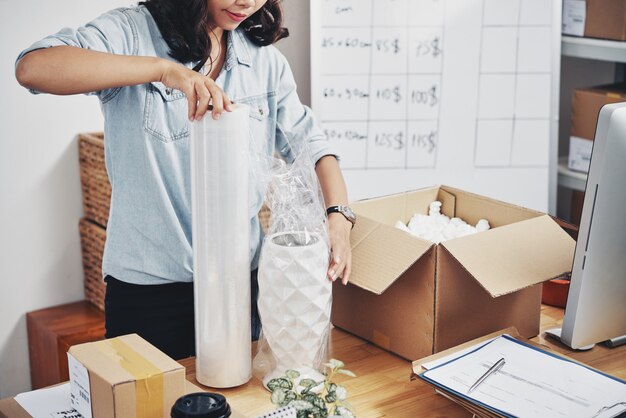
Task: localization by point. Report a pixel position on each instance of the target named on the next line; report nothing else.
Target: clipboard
(473, 404)
(417, 368)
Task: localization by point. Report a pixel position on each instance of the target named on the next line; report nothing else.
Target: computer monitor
(596, 303)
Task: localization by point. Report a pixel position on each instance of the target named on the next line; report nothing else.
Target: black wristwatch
(345, 211)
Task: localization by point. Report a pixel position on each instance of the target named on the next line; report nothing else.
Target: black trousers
(161, 314)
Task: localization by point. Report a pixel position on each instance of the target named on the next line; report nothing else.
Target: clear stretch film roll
(221, 248)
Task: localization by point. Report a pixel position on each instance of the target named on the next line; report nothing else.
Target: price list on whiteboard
(414, 93)
(381, 94)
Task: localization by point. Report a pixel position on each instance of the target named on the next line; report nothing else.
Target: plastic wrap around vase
(294, 299)
(221, 248)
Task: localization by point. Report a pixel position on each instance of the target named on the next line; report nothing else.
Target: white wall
(40, 198)
(297, 46)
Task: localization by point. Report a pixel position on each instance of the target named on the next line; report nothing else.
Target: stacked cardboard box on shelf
(605, 19)
(96, 191)
(586, 105)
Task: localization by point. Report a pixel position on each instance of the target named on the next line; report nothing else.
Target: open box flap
(512, 257)
(381, 253)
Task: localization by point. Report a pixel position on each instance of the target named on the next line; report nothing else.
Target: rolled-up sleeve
(296, 124)
(113, 32)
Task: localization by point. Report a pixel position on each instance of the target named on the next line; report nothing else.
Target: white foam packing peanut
(437, 227)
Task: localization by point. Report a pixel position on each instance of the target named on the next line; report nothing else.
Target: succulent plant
(310, 398)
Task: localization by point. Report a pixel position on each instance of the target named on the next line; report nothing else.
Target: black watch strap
(345, 211)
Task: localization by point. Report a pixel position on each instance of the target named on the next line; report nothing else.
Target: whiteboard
(415, 93)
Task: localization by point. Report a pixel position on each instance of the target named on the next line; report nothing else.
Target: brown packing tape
(148, 377)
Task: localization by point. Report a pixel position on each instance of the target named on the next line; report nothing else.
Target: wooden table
(382, 387)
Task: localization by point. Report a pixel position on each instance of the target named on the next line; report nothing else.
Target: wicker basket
(93, 178)
(92, 237)
(95, 183)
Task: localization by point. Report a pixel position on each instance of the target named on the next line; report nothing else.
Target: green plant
(310, 398)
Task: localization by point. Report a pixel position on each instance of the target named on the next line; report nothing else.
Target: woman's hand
(334, 191)
(201, 91)
(340, 263)
(85, 70)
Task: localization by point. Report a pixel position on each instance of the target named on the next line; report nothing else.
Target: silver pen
(492, 370)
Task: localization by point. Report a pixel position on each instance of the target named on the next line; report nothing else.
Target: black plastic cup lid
(201, 405)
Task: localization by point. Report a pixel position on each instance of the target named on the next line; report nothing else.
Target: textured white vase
(294, 300)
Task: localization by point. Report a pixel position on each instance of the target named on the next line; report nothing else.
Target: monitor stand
(556, 334)
(611, 343)
(616, 342)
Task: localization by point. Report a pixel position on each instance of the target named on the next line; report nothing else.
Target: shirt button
(168, 91)
(260, 111)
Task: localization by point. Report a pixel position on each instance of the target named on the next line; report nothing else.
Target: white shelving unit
(594, 49)
(571, 179)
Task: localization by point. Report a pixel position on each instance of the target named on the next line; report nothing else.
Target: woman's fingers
(217, 99)
(204, 98)
(192, 103)
(228, 104)
(202, 93)
(340, 263)
(340, 266)
(347, 270)
(210, 97)
(334, 266)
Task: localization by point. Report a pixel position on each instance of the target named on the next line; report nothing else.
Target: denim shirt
(147, 136)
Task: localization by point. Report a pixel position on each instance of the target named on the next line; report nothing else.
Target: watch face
(348, 213)
(345, 211)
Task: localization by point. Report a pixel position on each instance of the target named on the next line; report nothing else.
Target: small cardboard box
(604, 19)
(124, 377)
(586, 105)
(415, 298)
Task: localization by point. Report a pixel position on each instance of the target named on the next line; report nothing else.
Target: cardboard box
(124, 377)
(573, 17)
(415, 298)
(586, 105)
(579, 157)
(604, 19)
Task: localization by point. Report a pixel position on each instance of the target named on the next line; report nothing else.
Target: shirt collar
(237, 50)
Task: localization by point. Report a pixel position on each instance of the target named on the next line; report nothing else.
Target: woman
(154, 68)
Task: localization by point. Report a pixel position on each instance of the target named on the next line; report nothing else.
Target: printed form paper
(532, 383)
(53, 402)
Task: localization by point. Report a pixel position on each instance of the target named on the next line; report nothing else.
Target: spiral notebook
(284, 412)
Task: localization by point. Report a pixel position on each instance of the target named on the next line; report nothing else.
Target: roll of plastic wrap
(221, 248)
(295, 299)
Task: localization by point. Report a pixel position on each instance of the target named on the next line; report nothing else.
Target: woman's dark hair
(184, 25)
